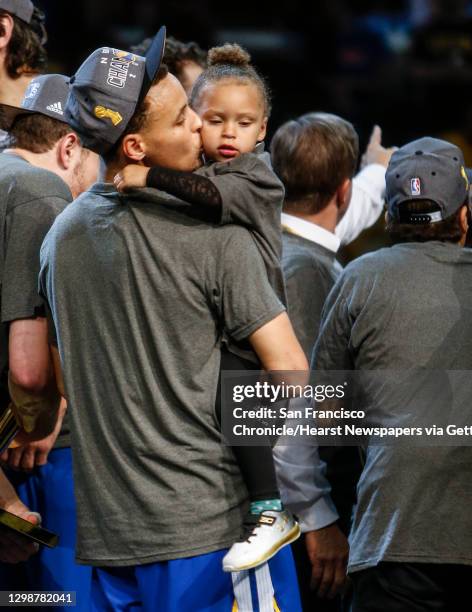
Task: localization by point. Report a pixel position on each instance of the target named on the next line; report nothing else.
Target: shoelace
(250, 526)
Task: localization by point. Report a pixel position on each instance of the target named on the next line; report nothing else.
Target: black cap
(106, 90)
(426, 169)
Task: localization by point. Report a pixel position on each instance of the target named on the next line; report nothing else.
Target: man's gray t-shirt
(30, 200)
(140, 295)
(407, 307)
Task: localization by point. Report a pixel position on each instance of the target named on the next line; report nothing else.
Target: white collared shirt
(311, 231)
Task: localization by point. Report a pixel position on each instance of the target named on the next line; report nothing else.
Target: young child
(236, 185)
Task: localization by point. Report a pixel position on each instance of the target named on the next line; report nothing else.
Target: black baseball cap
(46, 94)
(23, 9)
(427, 169)
(107, 89)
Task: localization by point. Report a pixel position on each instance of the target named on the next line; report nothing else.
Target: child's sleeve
(198, 191)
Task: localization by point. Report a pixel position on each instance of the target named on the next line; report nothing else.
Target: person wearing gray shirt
(39, 176)
(140, 353)
(402, 308)
(318, 196)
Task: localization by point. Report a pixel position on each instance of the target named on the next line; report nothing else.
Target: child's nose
(229, 130)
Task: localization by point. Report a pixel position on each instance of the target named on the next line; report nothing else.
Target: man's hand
(15, 548)
(25, 455)
(131, 176)
(375, 152)
(328, 552)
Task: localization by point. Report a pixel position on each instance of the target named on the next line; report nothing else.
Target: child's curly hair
(232, 62)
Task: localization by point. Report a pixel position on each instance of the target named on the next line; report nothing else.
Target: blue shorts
(197, 584)
(49, 490)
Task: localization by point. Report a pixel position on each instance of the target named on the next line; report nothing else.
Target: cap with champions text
(46, 94)
(106, 90)
(427, 169)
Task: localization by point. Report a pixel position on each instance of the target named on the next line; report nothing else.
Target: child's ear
(133, 147)
(263, 130)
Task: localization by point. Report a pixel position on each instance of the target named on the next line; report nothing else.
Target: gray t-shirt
(409, 306)
(140, 295)
(252, 196)
(30, 200)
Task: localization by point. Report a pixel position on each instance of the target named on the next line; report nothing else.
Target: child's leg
(268, 527)
(255, 462)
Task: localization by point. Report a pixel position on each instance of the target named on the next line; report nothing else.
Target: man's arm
(35, 400)
(31, 378)
(23, 454)
(28, 352)
(277, 346)
(368, 187)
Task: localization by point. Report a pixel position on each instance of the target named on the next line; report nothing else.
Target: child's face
(233, 119)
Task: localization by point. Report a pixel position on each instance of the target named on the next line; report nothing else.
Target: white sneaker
(273, 530)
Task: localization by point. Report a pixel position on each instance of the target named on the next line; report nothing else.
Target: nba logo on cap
(415, 186)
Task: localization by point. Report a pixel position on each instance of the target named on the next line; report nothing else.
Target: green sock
(265, 504)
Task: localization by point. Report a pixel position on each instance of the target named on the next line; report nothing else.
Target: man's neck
(12, 91)
(327, 218)
(47, 160)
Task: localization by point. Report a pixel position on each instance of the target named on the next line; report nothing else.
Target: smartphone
(28, 530)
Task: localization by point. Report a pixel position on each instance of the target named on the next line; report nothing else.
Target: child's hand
(131, 176)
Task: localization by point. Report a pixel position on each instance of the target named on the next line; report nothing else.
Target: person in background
(185, 60)
(406, 310)
(318, 192)
(43, 170)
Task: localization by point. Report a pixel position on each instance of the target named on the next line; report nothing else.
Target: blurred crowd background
(403, 64)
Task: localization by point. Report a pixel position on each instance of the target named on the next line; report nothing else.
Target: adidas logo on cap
(56, 107)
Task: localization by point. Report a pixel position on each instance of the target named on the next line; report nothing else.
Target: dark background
(404, 64)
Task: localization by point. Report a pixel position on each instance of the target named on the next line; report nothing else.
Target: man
(22, 56)
(159, 497)
(405, 309)
(41, 173)
(317, 195)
